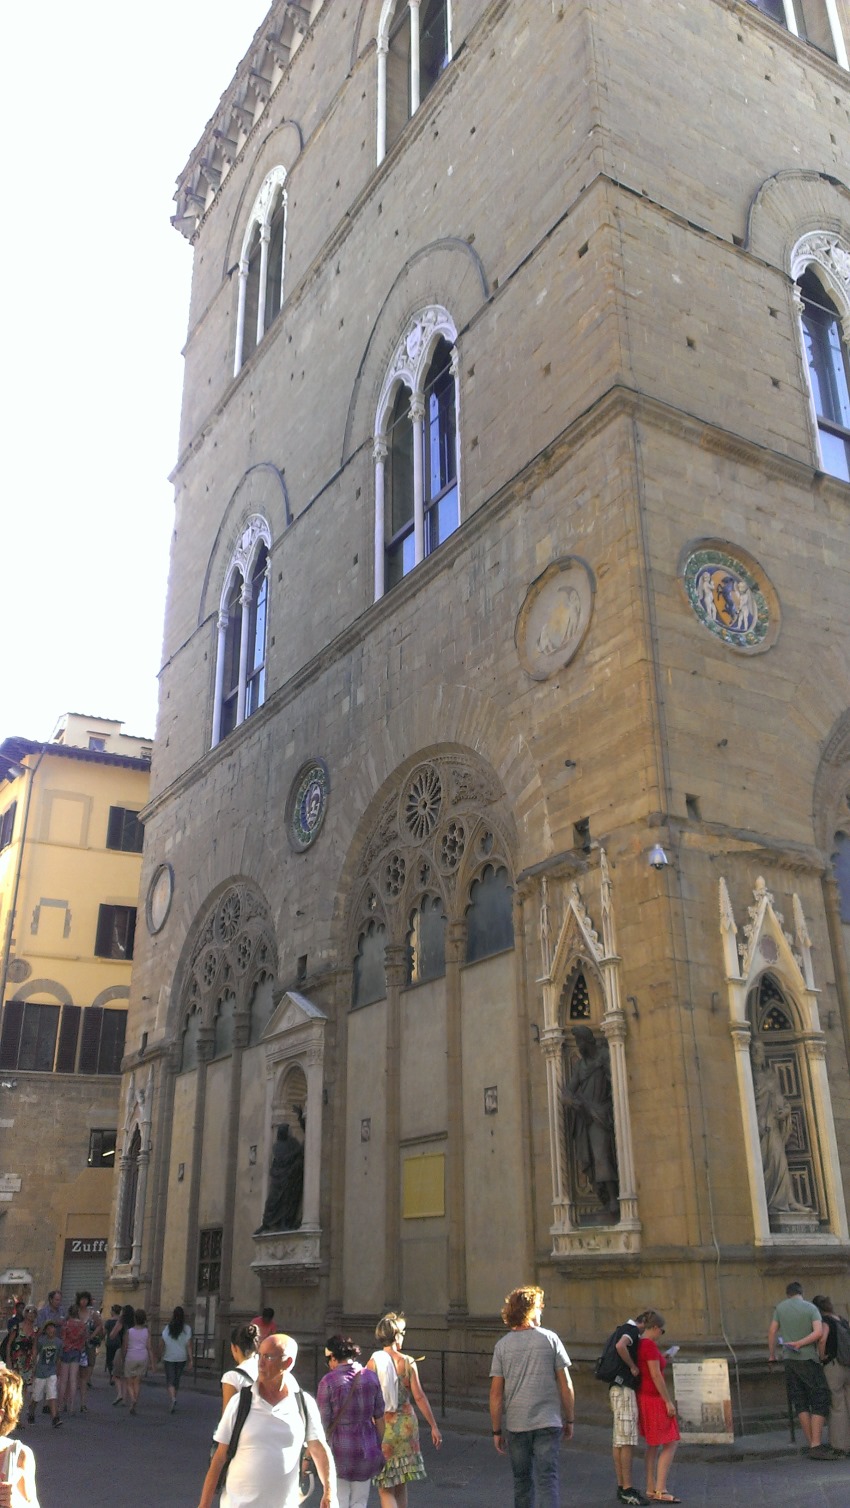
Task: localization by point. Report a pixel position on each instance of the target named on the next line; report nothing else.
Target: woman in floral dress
(22, 1344)
(401, 1388)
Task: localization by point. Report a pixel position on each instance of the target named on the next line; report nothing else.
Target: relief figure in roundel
(282, 1210)
(563, 622)
(774, 1122)
(726, 598)
(589, 1107)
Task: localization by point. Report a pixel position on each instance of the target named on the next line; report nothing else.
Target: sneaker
(825, 1453)
(633, 1497)
(57, 1422)
(116, 1401)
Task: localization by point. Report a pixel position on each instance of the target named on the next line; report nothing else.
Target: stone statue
(282, 1209)
(589, 1106)
(774, 1123)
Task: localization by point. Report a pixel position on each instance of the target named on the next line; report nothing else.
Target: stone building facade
(505, 688)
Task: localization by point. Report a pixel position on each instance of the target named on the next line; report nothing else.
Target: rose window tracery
(421, 803)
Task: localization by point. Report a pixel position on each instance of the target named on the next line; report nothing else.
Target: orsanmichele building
(499, 843)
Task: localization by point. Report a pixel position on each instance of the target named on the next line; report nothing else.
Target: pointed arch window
(489, 915)
(426, 941)
(370, 979)
(240, 681)
(417, 497)
(414, 47)
(261, 267)
(826, 351)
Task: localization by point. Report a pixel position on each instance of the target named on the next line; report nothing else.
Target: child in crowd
(45, 1382)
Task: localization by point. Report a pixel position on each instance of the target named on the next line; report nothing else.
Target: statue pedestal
(289, 1258)
(596, 1240)
(794, 1222)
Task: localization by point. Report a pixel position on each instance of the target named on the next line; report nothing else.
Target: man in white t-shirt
(264, 1470)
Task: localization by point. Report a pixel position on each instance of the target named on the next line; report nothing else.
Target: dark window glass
(252, 297)
(398, 73)
(124, 830)
(489, 915)
(7, 825)
(399, 501)
(97, 744)
(37, 1048)
(773, 8)
(426, 941)
(209, 1260)
(232, 641)
(828, 374)
(813, 24)
(255, 691)
(224, 1027)
(841, 870)
(262, 1006)
(433, 43)
(370, 980)
(440, 461)
(13, 1018)
(101, 1149)
(274, 268)
(116, 931)
(69, 1030)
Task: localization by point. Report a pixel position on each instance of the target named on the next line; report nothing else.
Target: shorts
(44, 1389)
(173, 1373)
(70, 1354)
(808, 1389)
(624, 1407)
(135, 1368)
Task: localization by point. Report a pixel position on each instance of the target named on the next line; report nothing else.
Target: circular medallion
(158, 903)
(420, 802)
(731, 596)
(307, 804)
(554, 617)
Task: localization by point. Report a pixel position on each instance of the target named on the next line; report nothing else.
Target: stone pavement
(106, 1459)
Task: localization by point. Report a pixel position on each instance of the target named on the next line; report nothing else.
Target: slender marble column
(245, 599)
(456, 1171)
(240, 315)
(221, 638)
(417, 416)
(265, 234)
(414, 56)
(379, 453)
(752, 1145)
(383, 44)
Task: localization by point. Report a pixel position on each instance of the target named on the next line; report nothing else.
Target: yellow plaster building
(70, 856)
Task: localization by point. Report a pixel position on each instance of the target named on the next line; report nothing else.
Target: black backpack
(610, 1367)
(842, 1341)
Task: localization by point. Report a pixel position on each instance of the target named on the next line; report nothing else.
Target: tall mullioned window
(829, 371)
(240, 680)
(417, 502)
(813, 21)
(261, 267)
(414, 47)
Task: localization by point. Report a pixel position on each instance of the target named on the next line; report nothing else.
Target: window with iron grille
(209, 1260)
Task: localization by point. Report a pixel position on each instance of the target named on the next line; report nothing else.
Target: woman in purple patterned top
(352, 1408)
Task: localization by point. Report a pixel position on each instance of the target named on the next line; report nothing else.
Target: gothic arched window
(426, 941)
(829, 373)
(261, 267)
(416, 449)
(414, 47)
(370, 980)
(240, 681)
(489, 915)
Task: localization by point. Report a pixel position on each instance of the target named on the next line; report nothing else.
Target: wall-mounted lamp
(657, 857)
(632, 1000)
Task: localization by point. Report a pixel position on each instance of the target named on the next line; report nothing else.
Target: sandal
(663, 1497)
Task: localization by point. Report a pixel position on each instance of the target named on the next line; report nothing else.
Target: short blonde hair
(11, 1399)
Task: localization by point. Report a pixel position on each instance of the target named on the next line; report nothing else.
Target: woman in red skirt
(656, 1412)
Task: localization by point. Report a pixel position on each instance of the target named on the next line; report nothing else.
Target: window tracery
(820, 265)
(416, 450)
(231, 969)
(261, 266)
(240, 679)
(438, 853)
(414, 47)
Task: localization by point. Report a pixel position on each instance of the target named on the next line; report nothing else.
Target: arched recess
(133, 1164)
(790, 204)
(783, 1086)
(283, 147)
(583, 1041)
(43, 987)
(446, 273)
(231, 949)
(260, 493)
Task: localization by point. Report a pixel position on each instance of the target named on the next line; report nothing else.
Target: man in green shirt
(798, 1327)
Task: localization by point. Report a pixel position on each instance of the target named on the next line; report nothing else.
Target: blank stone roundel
(554, 617)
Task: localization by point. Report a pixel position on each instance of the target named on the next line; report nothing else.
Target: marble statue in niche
(774, 1123)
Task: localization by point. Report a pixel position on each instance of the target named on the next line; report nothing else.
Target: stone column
(229, 1173)
(414, 56)
(245, 599)
(221, 638)
(379, 455)
(752, 1144)
(395, 963)
(456, 1172)
(614, 1029)
(552, 1044)
(206, 1038)
(815, 1049)
(240, 314)
(313, 1141)
(265, 236)
(417, 418)
(454, 367)
(832, 908)
(383, 44)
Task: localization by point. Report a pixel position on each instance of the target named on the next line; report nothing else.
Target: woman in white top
(175, 1350)
(244, 1343)
(17, 1462)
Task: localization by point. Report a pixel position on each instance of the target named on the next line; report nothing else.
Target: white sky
(104, 104)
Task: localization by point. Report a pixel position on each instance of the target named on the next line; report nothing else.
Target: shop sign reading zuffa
(85, 1246)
